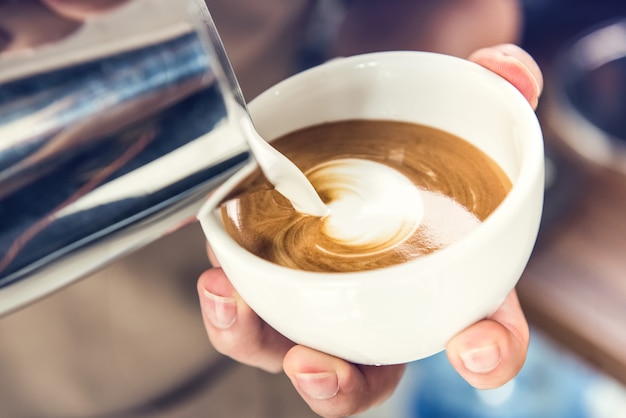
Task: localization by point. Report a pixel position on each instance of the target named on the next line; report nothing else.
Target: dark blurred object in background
(550, 23)
(549, 28)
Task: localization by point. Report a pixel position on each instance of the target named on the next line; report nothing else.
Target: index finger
(82, 9)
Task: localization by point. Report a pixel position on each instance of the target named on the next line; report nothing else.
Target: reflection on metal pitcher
(100, 156)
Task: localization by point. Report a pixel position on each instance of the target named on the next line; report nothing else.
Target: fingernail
(481, 360)
(320, 386)
(221, 311)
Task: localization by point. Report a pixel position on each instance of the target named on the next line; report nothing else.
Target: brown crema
(459, 184)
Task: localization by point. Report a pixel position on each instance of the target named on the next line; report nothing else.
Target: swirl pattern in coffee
(396, 191)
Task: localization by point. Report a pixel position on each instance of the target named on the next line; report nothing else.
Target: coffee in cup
(396, 191)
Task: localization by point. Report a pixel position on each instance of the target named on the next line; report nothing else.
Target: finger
(234, 329)
(491, 352)
(81, 9)
(28, 24)
(516, 66)
(335, 388)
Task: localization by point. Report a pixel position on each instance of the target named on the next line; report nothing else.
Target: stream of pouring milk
(284, 175)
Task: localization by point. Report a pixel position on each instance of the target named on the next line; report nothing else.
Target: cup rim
(531, 171)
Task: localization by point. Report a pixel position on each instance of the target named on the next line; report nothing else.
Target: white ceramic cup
(409, 311)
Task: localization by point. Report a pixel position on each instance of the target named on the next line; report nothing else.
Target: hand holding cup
(487, 354)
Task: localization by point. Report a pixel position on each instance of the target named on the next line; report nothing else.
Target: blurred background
(128, 341)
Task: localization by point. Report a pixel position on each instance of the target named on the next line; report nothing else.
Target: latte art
(367, 214)
(396, 192)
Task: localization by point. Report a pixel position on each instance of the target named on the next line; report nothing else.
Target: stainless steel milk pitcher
(109, 139)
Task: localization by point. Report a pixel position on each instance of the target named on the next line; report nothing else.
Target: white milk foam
(371, 204)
